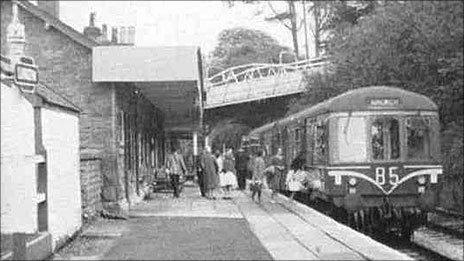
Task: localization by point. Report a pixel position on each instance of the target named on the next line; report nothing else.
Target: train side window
(385, 139)
(310, 129)
(417, 137)
(320, 146)
(297, 135)
(298, 141)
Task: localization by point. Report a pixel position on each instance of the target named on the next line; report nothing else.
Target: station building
(133, 100)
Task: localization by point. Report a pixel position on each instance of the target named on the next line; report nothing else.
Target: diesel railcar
(375, 151)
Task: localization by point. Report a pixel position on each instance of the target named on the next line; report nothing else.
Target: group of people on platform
(219, 171)
(219, 174)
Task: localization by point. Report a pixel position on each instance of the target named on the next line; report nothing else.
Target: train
(375, 150)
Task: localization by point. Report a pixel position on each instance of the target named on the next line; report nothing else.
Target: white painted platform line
(440, 243)
(362, 244)
(275, 238)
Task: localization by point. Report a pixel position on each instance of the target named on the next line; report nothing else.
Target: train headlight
(352, 181)
(421, 180)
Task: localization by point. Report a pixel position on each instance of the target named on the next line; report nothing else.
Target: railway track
(443, 234)
(441, 239)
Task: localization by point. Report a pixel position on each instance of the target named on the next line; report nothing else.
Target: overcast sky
(175, 22)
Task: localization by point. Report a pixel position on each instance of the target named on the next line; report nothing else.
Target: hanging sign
(26, 75)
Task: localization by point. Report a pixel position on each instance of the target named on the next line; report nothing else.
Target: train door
(284, 145)
(309, 140)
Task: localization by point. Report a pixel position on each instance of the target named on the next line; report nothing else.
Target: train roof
(360, 100)
(262, 128)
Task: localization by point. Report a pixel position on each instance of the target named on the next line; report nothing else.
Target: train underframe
(381, 216)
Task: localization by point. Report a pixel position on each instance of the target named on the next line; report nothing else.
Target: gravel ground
(188, 238)
(96, 238)
(7, 242)
(85, 246)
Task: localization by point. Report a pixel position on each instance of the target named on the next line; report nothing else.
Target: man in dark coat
(201, 177)
(210, 172)
(241, 164)
(176, 167)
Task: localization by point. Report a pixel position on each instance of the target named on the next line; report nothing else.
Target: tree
(331, 15)
(326, 16)
(228, 133)
(284, 17)
(238, 46)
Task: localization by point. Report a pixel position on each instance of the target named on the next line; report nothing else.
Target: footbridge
(258, 81)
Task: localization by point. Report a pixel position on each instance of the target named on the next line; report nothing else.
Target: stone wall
(66, 67)
(91, 185)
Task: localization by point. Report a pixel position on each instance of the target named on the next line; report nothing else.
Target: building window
(385, 141)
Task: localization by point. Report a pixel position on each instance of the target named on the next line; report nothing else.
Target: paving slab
(188, 238)
(360, 243)
(275, 238)
(324, 247)
(194, 228)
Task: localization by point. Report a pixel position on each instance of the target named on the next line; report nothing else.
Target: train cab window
(417, 137)
(385, 139)
(352, 137)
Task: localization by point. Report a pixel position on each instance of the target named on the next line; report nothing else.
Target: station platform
(192, 227)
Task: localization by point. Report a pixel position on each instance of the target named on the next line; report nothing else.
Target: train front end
(384, 165)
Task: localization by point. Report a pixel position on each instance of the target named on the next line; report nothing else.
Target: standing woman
(210, 172)
(230, 172)
(221, 172)
(277, 174)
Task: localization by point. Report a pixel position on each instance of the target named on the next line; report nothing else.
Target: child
(296, 176)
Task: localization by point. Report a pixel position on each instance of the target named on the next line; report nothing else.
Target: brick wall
(91, 185)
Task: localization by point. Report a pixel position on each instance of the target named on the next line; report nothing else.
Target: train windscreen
(352, 139)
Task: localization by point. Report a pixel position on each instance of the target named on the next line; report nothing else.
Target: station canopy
(169, 76)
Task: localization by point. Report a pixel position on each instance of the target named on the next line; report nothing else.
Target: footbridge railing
(258, 81)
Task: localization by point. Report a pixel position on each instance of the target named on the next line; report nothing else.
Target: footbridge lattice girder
(251, 82)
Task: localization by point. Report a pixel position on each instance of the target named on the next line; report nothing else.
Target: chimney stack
(51, 7)
(114, 35)
(104, 36)
(122, 35)
(92, 31)
(131, 34)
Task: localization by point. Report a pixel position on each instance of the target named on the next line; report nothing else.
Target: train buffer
(193, 227)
